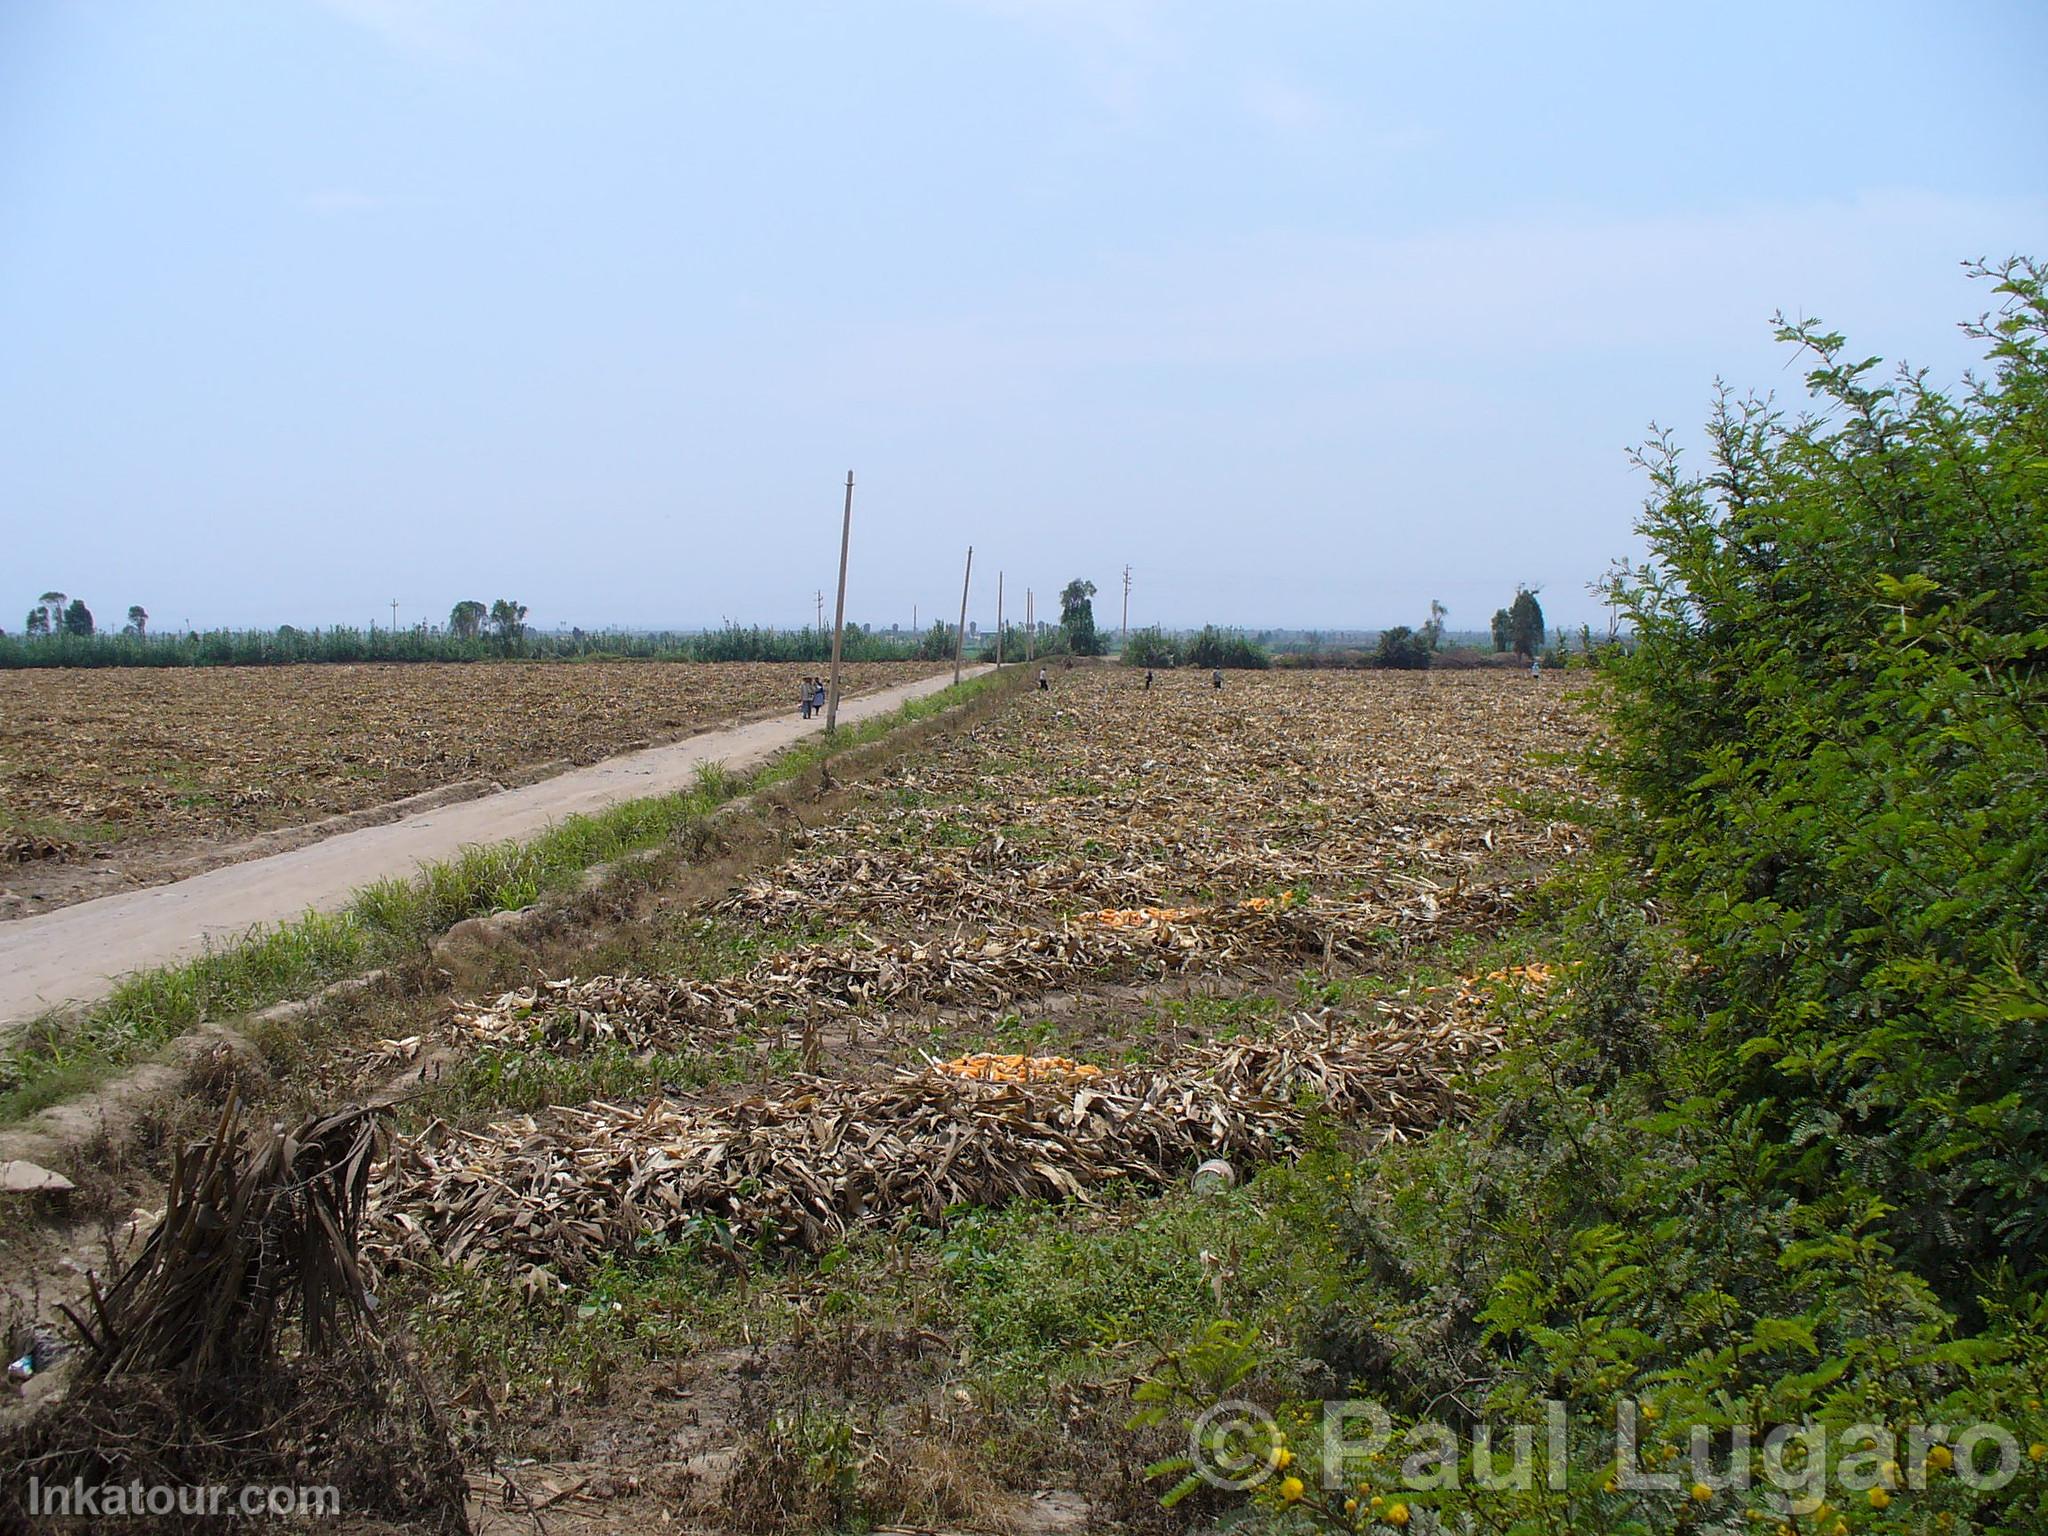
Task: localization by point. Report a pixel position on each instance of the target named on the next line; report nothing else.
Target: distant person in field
(1216, 678)
(1536, 667)
(1043, 684)
(818, 694)
(1148, 679)
(807, 698)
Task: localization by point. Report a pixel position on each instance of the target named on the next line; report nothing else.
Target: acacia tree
(1503, 629)
(78, 618)
(53, 611)
(509, 619)
(466, 619)
(1077, 618)
(138, 620)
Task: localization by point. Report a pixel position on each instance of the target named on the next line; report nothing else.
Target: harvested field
(1093, 837)
(932, 1121)
(139, 766)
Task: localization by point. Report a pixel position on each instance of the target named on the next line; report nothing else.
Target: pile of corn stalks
(995, 880)
(258, 1232)
(807, 1163)
(874, 976)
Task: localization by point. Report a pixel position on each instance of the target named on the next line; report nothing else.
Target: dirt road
(75, 954)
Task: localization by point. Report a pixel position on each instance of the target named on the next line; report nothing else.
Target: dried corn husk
(805, 1164)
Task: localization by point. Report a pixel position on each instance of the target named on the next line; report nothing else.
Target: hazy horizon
(1309, 314)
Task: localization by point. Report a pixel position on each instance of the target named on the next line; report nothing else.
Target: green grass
(1036, 1291)
(1050, 1290)
(61, 1055)
(86, 833)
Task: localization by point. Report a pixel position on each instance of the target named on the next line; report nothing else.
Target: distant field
(124, 759)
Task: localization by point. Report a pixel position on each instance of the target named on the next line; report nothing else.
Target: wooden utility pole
(1127, 607)
(839, 613)
(1030, 630)
(999, 618)
(960, 634)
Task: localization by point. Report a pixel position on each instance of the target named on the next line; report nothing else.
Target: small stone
(24, 1178)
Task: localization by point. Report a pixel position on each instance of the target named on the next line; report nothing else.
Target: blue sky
(1309, 312)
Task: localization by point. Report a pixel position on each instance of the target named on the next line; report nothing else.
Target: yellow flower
(1879, 1499)
(1397, 1514)
(1281, 1458)
(1701, 1493)
(2038, 1451)
(1351, 1506)
(1610, 1486)
(1290, 1489)
(1650, 1412)
(1941, 1458)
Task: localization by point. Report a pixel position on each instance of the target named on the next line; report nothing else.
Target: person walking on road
(807, 699)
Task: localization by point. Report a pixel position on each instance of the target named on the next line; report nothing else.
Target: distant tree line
(59, 632)
(1519, 628)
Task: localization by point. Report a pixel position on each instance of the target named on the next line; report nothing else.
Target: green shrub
(1778, 1153)
(1402, 648)
(1215, 647)
(1150, 648)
